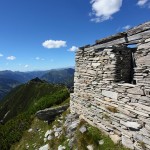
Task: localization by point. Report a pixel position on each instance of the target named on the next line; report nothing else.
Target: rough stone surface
(127, 142)
(110, 94)
(136, 91)
(112, 86)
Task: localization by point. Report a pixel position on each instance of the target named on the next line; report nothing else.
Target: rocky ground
(67, 132)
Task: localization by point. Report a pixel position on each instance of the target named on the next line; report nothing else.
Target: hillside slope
(24, 96)
(19, 106)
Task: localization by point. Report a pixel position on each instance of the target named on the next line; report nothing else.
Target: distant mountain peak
(37, 80)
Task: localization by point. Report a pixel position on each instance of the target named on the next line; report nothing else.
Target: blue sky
(43, 34)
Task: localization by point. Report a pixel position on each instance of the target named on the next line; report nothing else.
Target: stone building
(112, 86)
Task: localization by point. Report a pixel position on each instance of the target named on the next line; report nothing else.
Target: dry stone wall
(112, 86)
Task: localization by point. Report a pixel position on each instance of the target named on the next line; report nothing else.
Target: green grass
(30, 138)
(92, 137)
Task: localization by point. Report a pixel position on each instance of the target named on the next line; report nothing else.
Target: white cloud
(37, 58)
(1, 55)
(11, 58)
(26, 66)
(126, 27)
(104, 9)
(73, 48)
(142, 2)
(54, 44)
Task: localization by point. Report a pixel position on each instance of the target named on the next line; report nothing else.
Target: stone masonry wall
(112, 87)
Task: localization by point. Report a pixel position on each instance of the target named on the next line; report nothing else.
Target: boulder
(49, 114)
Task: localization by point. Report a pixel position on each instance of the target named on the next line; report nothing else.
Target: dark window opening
(125, 64)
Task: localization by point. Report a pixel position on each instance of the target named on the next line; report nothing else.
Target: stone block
(142, 138)
(115, 138)
(133, 125)
(110, 94)
(147, 40)
(136, 91)
(127, 142)
(96, 64)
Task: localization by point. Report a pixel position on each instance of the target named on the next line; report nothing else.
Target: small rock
(82, 129)
(45, 147)
(58, 129)
(49, 137)
(61, 147)
(30, 130)
(112, 55)
(101, 142)
(74, 125)
(48, 132)
(71, 142)
(45, 139)
(90, 147)
(115, 138)
(56, 134)
(27, 147)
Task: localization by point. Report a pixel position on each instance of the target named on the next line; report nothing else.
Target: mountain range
(10, 79)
